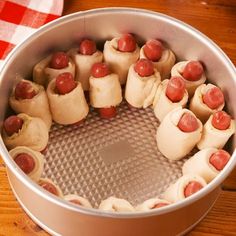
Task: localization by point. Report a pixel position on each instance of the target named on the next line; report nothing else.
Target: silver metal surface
(78, 157)
(117, 157)
(65, 221)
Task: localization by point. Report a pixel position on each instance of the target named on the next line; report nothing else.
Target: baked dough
(83, 65)
(198, 107)
(46, 180)
(212, 137)
(173, 143)
(119, 62)
(105, 91)
(175, 192)
(67, 108)
(37, 106)
(38, 160)
(162, 104)
(164, 64)
(83, 201)
(140, 91)
(199, 164)
(114, 204)
(191, 86)
(149, 204)
(33, 134)
(43, 74)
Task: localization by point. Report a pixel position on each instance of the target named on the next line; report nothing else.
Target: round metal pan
(125, 176)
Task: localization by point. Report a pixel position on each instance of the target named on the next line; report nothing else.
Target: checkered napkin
(20, 18)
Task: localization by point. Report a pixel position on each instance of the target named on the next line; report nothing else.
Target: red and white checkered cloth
(20, 18)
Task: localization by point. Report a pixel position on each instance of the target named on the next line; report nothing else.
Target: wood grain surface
(216, 19)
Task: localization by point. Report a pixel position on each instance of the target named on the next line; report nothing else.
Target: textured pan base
(118, 157)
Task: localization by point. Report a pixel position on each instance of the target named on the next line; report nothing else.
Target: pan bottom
(115, 157)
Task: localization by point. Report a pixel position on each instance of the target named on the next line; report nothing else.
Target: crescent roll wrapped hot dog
(178, 133)
(120, 54)
(170, 94)
(66, 99)
(192, 72)
(81, 201)
(51, 187)
(184, 187)
(50, 67)
(206, 163)
(217, 131)
(207, 99)
(84, 57)
(29, 161)
(142, 83)
(114, 204)
(151, 204)
(24, 130)
(162, 58)
(105, 90)
(31, 98)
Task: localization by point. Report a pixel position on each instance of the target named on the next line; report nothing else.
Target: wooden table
(216, 19)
